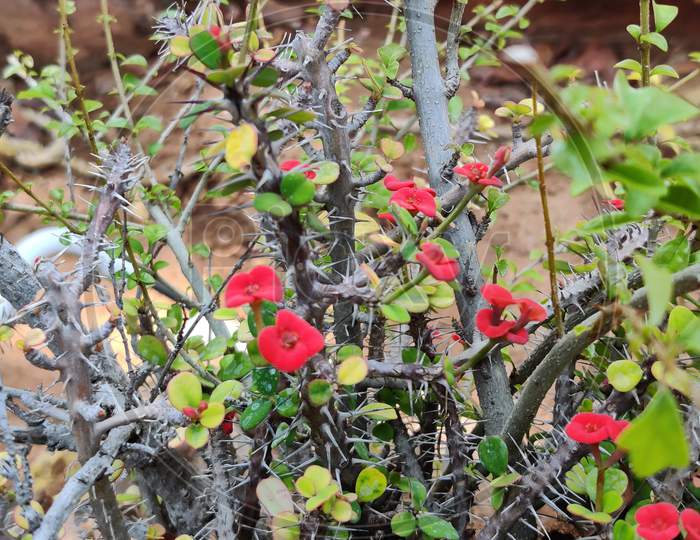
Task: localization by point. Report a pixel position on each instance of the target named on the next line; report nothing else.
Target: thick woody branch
(453, 75)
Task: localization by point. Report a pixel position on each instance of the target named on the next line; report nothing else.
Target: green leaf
(265, 380)
(135, 60)
(635, 31)
(206, 49)
(655, 39)
(352, 371)
(255, 413)
(214, 349)
(664, 14)
(674, 255)
(370, 484)
(436, 527)
(623, 531)
(327, 172)
(585, 513)
(378, 411)
(213, 415)
(185, 390)
(226, 389)
(273, 204)
(395, 313)
(659, 286)
(615, 482)
(320, 392)
(655, 439)
(267, 76)
(646, 109)
(665, 70)
(196, 436)
(506, 480)
(624, 375)
(323, 495)
(288, 402)
(151, 349)
(413, 300)
(493, 453)
(629, 64)
(296, 189)
(415, 488)
(403, 524)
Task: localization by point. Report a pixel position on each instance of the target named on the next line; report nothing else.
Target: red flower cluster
(220, 37)
(290, 342)
(294, 164)
(261, 283)
(593, 428)
(478, 173)
(415, 200)
(659, 521)
(490, 321)
(439, 265)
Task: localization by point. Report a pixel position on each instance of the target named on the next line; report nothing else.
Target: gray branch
(78, 485)
(567, 349)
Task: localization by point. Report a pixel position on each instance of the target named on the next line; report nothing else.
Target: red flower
(388, 216)
(293, 164)
(261, 283)
(478, 173)
(489, 323)
(497, 296)
(690, 519)
(415, 200)
(227, 424)
(616, 427)
(657, 521)
(589, 428)
(394, 184)
(532, 311)
(439, 265)
(290, 342)
(617, 204)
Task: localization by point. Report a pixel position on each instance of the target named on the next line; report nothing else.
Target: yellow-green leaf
(353, 370)
(241, 145)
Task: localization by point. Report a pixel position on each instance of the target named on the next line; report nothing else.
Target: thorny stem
(549, 237)
(249, 28)
(600, 478)
(70, 57)
(645, 46)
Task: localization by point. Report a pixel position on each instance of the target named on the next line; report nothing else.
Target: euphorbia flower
(439, 265)
(415, 200)
(589, 428)
(290, 342)
(394, 184)
(261, 283)
(478, 173)
(616, 427)
(690, 519)
(227, 424)
(657, 521)
(293, 164)
(489, 321)
(617, 204)
(388, 216)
